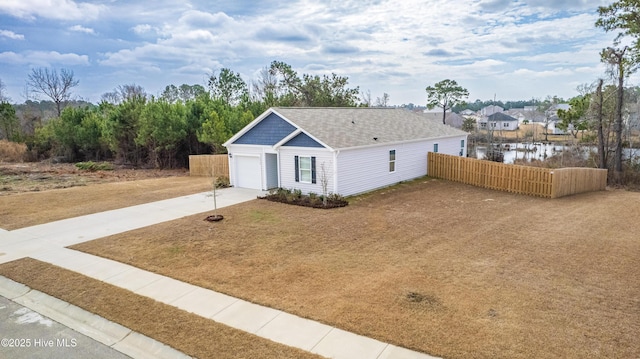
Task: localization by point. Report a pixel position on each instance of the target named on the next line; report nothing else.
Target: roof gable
(302, 140)
(268, 131)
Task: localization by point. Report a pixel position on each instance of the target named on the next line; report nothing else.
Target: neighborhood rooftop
(354, 127)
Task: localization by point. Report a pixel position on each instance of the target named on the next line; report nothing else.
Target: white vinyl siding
(324, 158)
(365, 169)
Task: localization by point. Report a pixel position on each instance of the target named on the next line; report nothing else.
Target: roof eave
(393, 143)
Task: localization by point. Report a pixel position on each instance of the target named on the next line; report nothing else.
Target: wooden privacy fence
(532, 181)
(204, 165)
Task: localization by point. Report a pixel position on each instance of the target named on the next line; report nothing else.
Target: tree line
(132, 127)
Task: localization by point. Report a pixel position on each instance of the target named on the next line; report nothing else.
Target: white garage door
(248, 172)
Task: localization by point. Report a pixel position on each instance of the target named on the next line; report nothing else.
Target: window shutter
(297, 170)
(313, 170)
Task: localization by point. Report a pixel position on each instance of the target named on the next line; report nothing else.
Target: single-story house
(499, 121)
(348, 150)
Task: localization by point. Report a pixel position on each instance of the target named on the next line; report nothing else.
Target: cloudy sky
(513, 49)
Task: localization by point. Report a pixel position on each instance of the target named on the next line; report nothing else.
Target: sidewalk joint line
(225, 308)
(270, 320)
(382, 351)
(321, 339)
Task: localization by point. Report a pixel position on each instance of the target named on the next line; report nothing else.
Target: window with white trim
(305, 169)
(392, 160)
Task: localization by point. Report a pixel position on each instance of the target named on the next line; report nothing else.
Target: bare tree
(123, 93)
(383, 101)
(265, 88)
(3, 97)
(49, 83)
(365, 97)
(324, 182)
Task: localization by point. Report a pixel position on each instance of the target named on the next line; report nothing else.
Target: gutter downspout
(335, 171)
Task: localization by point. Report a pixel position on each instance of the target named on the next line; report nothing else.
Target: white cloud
(558, 72)
(10, 57)
(12, 35)
(142, 29)
(44, 58)
(51, 9)
(80, 28)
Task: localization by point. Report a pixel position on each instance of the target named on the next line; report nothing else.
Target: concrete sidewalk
(113, 338)
(23, 242)
(46, 243)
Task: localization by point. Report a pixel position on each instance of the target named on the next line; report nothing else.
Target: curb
(114, 335)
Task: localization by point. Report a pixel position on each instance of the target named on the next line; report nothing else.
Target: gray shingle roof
(340, 127)
(499, 116)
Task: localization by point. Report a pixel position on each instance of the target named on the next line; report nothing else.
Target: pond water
(529, 151)
(539, 151)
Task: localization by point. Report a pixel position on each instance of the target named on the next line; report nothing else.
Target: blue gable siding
(302, 140)
(268, 132)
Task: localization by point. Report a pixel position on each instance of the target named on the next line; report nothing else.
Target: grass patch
(189, 333)
(263, 216)
(439, 267)
(93, 166)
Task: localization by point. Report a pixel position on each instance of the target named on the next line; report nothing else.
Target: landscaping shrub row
(313, 200)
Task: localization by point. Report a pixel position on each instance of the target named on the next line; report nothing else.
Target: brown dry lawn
(440, 267)
(36, 194)
(189, 333)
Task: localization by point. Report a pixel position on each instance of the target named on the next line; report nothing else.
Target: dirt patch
(65, 192)
(189, 333)
(440, 267)
(43, 176)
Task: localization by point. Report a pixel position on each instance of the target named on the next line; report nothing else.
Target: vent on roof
(375, 138)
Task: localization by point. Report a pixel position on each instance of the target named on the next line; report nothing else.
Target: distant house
(451, 118)
(490, 110)
(498, 122)
(351, 150)
(552, 127)
(552, 115)
(517, 113)
(467, 112)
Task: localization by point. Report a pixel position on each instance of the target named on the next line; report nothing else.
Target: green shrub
(296, 197)
(222, 182)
